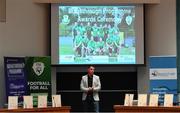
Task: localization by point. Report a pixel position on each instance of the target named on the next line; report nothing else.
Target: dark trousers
(89, 105)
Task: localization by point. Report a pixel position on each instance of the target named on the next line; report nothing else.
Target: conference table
(63, 109)
(147, 109)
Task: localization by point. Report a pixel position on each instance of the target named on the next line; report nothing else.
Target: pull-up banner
(15, 75)
(28, 76)
(39, 77)
(163, 76)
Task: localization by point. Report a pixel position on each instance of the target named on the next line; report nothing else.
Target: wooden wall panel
(2, 10)
(100, 1)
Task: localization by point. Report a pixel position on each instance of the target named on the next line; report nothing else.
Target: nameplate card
(168, 100)
(56, 101)
(128, 101)
(142, 99)
(28, 102)
(12, 102)
(42, 101)
(153, 100)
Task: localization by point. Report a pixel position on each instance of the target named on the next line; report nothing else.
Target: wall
(2, 10)
(25, 33)
(160, 34)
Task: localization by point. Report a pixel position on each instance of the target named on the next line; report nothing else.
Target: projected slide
(97, 35)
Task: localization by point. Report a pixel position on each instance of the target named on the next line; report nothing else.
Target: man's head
(91, 70)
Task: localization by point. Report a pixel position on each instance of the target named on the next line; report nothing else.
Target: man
(91, 46)
(110, 45)
(78, 45)
(100, 49)
(85, 41)
(90, 85)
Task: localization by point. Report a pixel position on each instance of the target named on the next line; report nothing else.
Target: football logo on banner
(38, 68)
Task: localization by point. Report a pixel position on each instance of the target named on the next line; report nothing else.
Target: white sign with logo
(159, 73)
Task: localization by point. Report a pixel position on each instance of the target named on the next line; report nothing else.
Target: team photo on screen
(97, 35)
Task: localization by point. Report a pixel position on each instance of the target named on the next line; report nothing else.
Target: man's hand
(90, 89)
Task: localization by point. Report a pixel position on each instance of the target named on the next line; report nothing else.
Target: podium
(149, 109)
(63, 109)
